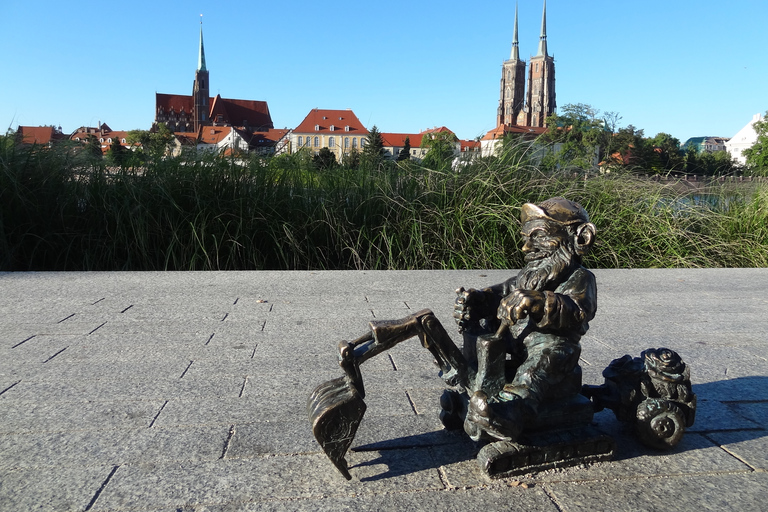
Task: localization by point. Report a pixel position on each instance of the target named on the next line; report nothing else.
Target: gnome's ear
(584, 238)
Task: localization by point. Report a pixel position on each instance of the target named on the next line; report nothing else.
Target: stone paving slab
(187, 392)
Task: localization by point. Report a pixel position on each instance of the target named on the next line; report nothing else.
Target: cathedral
(188, 114)
(527, 104)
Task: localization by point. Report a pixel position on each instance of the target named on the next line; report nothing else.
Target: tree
(93, 146)
(757, 155)
(717, 163)
(668, 149)
(153, 143)
(324, 159)
(117, 154)
(441, 149)
(405, 153)
(352, 159)
(373, 152)
(580, 136)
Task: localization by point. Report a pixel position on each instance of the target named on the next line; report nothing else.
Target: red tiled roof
(39, 134)
(503, 129)
(266, 138)
(470, 145)
(252, 113)
(175, 102)
(437, 130)
(214, 134)
(397, 140)
(324, 119)
(186, 138)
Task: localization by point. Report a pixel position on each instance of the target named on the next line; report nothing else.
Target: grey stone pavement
(187, 392)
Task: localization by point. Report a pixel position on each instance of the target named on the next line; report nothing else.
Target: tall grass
(61, 211)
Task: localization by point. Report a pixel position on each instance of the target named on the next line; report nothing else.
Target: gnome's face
(541, 238)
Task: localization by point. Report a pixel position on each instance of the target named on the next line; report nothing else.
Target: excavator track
(550, 450)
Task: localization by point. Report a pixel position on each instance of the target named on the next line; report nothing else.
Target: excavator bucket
(335, 410)
(336, 407)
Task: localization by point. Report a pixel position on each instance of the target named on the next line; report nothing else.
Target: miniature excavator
(515, 385)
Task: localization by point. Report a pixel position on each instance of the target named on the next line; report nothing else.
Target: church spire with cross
(201, 88)
(201, 51)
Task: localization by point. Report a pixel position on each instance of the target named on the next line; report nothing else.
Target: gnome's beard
(548, 271)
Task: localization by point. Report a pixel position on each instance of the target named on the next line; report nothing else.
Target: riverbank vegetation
(66, 209)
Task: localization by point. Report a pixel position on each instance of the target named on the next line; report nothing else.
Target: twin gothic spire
(515, 55)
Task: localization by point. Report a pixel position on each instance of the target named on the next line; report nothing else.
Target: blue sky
(688, 68)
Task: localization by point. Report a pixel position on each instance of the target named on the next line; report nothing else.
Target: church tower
(512, 94)
(541, 81)
(201, 88)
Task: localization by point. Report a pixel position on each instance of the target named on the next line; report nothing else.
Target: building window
(101, 140)
(301, 140)
(317, 127)
(122, 140)
(331, 142)
(333, 128)
(346, 142)
(346, 128)
(317, 142)
(354, 142)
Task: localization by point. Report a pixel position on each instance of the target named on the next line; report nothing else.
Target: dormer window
(333, 127)
(346, 128)
(317, 127)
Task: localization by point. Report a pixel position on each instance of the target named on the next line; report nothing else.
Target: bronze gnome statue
(516, 382)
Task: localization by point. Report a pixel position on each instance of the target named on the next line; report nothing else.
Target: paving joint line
(242, 389)
(65, 318)
(9, 387)
(96, 329)
(101, 489)
(410, 401)
(228, 441)
(732, 454)
(23, 342)
(54, 355)
(158, 414)
(443, 476)
(553, 498)
(186, 369)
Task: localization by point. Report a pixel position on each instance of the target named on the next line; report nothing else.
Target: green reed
(60, 210)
